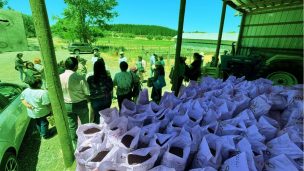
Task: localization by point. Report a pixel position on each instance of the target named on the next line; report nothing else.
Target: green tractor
(280, 68)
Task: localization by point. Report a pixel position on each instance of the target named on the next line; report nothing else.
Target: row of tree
(143, 29)
(86, 20)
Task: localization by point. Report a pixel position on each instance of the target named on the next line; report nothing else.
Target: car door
(86, 47)
(14, 116)
(82, 47)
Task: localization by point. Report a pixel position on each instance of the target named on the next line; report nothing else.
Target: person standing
(76, 94)
(182, 68)
(153, 59)
(141, 66)
(38, 106)
(31, 74)
(194, 71)
(136, 84)
(37, 65)
(123, 82)
(162, 61)
(19, 65)
(95, 57)
(122, 57)
(82, 68)
(101, 89)
(158, 82)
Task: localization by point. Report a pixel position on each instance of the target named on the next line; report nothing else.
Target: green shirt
(123, 81)
(19, 62)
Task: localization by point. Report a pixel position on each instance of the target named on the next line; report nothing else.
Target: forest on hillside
(152, 30)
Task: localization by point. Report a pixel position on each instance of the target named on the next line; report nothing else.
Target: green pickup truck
(78, 48)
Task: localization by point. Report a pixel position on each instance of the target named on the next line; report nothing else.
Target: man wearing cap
(122, 57)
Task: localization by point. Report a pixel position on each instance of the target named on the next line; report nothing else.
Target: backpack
(136, 87)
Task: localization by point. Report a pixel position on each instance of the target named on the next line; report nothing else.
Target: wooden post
(219, 40)
(240, 34)
(179, 45)
(52, 78)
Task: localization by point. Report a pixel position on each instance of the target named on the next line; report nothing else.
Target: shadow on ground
(29, 150)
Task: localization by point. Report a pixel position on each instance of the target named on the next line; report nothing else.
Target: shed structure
(270, 25)
(207, 41)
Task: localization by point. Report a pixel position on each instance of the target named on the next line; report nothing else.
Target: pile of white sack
(235, 125)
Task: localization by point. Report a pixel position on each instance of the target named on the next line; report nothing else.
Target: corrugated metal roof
(254, 5)
(209, 36)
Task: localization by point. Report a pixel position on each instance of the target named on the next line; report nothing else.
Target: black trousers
(120, 98)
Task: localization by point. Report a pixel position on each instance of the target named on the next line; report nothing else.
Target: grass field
(37, 154)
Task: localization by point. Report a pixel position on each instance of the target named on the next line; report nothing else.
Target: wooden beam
(274, 36)
(43, 31)
(241, 34)
(266, 5)
(270, 24)
(179, 40)
(217, 52)
(276, 9)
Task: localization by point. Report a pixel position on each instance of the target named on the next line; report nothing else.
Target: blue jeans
(21, 72)
(98, 105)
(42, 125)
(74, 111)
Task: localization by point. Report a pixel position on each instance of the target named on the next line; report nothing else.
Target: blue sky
(201, 15)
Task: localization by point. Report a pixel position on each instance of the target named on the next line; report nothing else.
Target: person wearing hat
(19, 65)
(122, 57)
(194, 71)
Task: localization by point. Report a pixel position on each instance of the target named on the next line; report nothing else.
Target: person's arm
(85, 88)
(27, 105)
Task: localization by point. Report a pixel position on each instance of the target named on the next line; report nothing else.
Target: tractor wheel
(282, 78)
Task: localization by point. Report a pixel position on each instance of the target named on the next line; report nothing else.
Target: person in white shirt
(75, 93)
(153, 60)
(122, 57)
(95, 57)
(37, 65)
(38, 105)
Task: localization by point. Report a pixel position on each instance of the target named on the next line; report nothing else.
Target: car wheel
(9, 162)
(77, 51)
(282, 78)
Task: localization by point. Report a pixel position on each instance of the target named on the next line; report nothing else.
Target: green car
(13, 125)
(78, 48)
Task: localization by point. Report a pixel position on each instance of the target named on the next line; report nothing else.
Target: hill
(152, 30)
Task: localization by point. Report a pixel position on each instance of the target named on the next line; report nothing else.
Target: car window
(7, 94)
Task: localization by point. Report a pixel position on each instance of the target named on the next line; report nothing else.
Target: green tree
(83, 16)
(3, 3)
(29, 25)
